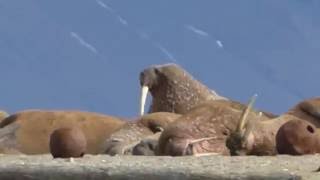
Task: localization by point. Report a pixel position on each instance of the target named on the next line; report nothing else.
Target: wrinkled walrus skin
(214, 119)
(173, 89)
(145, 128)
(262, 139)
(28, 132)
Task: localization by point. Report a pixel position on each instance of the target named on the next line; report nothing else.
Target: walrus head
(172, 89)
(293, 133)
(298, 137)
(205, 128)
(67, 142)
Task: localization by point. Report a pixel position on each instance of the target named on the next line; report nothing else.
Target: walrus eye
(310, 129)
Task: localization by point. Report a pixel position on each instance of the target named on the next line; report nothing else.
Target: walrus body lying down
(172, 90)
(262, 140)
(211, 121)
(28, 132)
(68, 142)
(147, 128)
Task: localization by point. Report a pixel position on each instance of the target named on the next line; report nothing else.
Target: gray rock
(16, 167)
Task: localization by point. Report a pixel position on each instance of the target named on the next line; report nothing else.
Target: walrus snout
(298, 137)
(148, 79)
(146, 147)
(117, 147)
(174, 146)
(67, 142)
(184, 146)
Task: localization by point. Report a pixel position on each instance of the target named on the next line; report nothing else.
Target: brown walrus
(173, 89)
(261, 136)
(308, 109)
(298, 137)
(28, 132)
(204, 129)
(147, 127)
(67, 143)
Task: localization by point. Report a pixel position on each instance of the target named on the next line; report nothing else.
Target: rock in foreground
(166, 168)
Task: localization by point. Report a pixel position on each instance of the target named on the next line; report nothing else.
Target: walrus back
(35, 128)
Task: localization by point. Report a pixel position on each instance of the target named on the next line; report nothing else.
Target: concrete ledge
(13, 167)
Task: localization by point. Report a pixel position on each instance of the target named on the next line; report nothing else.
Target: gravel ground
(14, 167)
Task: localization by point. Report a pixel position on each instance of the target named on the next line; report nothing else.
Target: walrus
(308, 109)
(28, 132)
(260, 138)
(298, 137)
(131, 138)
(67, 143)
(172, 89)
(204, 129)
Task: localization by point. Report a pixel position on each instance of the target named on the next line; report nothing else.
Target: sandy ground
(14, 167)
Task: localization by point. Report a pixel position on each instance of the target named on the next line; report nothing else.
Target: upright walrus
(204, 129)
(173, 89)
(28, 132)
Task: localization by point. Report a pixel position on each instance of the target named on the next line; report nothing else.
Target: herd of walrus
(185, 118)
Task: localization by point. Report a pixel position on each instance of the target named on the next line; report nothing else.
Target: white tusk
(143, 98)
(246, 112)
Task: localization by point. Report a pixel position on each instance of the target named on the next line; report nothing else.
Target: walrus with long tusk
(260, 138)
(139, 137)
(172, 89)
(204, 129)
(28, 132)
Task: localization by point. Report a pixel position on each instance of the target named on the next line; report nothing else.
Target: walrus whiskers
(238, 139)
(195, 141)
